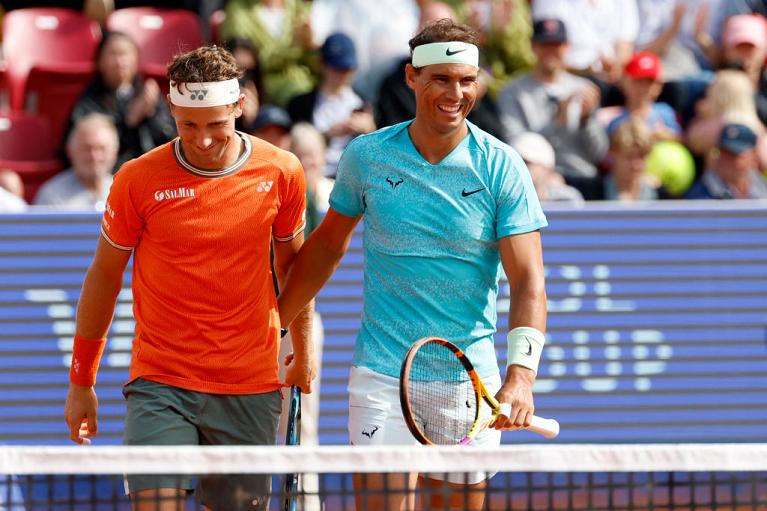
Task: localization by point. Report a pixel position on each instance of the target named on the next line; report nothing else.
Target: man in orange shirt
(199, 215)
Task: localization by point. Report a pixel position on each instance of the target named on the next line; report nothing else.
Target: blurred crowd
(626, 100)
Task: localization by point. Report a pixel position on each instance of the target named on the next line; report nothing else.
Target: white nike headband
(204, 94)
(445, 53)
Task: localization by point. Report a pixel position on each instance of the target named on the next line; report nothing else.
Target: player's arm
(303, 368)
(522, 259)
(315, 263)
(95, 309)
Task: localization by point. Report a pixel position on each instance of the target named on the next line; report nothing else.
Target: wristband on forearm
(86, 355)
(525, 345)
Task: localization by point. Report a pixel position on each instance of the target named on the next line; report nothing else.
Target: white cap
(534, 148)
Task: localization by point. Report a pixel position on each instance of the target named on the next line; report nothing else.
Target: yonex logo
(264, 186)
(199, 94)
(450, 52)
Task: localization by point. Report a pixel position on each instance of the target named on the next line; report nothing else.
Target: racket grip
(546, 427)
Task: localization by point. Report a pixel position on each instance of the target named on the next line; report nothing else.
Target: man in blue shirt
(732, 170)
(445, 204)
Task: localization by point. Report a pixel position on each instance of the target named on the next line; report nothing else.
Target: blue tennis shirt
(430, 240)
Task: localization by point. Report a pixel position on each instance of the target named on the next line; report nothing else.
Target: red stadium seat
(159, 33)
(52, 91)
(26, 146)
(5, 99)
(45, 37)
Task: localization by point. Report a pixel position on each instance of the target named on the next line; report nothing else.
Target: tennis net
(645, 477)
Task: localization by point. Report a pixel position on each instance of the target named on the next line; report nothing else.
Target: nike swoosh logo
(529, 349)
(464, 193)
(450, 53)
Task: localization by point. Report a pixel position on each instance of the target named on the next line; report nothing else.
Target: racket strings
(441, 397)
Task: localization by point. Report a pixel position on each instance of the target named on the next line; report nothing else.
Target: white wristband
(525, 345)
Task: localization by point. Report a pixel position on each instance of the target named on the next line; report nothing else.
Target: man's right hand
(300, 372)
(80, 413)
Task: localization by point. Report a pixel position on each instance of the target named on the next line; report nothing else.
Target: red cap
(644, 65)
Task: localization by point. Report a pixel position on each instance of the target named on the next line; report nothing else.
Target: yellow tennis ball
(673, 165)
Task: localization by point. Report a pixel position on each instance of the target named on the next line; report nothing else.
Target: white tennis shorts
(375, 418)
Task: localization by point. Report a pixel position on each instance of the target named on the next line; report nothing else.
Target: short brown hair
(205, 64)
(443, 31)
(633, 134)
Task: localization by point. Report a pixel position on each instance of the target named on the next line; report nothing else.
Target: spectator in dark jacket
(136, 106)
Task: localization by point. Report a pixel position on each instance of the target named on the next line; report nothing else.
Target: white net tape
(348, 459)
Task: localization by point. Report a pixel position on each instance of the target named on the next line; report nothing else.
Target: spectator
(333, 106)
(308, 144)
(683, 33)
(557, 104)
(540, 159)
(641, 85)
(731, 171)
(135, 105)
(273, 125)
(601, 32)
(92, 149)
(744, 44)
(729, 99)
(252, 81)
(627, 180)
(11, 192)
(396, 101)
(380, 30)
(281, 30)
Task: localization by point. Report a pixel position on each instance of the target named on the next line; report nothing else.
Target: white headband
(445, 53)
(203, 94)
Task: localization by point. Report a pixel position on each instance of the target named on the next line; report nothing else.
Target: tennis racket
(293, 437)
(444, 401)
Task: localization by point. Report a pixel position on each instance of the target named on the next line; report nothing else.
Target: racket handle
(546, 427)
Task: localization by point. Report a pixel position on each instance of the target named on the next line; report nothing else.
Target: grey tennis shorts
(160, 414)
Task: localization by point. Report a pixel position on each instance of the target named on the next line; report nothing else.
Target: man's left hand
(517, 390)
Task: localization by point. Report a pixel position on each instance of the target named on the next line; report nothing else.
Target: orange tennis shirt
(203, 294)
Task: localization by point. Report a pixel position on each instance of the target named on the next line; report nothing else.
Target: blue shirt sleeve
(668, 117)
(347, 196)
(518, 208)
